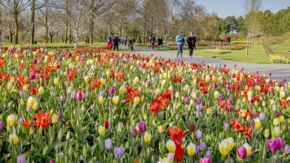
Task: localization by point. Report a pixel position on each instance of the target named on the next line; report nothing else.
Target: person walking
(226, 40)
(116, 42)
(153, 39)
(191, 40)
(125, 40)
(160, 41)
(214, 40)
(130, 44)
(229, 39)
(180, 42)
(110, 41)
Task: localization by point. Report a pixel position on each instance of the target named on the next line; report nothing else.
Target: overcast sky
(225, 8)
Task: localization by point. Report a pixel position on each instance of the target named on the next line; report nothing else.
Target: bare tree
(15, 7)
(35, 5)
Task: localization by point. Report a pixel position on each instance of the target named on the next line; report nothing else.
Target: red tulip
(106, 124)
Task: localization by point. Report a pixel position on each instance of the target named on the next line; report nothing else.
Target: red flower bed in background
(154, 45)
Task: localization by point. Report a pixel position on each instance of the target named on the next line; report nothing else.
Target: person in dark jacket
(229, 39)
(191, 40)
(160, 41)
(130, 44)
(153, 39)
(110, 41)
(116, 42)
(125, 40)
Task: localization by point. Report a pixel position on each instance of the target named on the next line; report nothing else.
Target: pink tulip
(204, 160)
(280, 143)
(242, 152)
(112, 90)
(272, 145)
(79, 95)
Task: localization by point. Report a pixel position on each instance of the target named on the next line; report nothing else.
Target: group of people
(227, 40)
(116, 42)
(191, 41)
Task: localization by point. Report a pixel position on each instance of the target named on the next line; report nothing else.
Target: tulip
(170, 145)
(186, 100)
(1, 126)
(116, 99)
(13, 138)
(204, 160)
(221, 97)
(54, 118)
(281, 118)
(56, 82)
(35, 105)
(102, 130)
(112, 90)
(224, 147)
(198, 114)
(191, 149)
(142, 126)
(21, 159)
(202, 146)
(32, 75)
(262, 116)
(9, 86)
(101, 99)
(242, 152)
(60, 114)
(136, 100)
(10, 120)
(229, 101)
(134, 133)
(79, 95)
(280, 143)
(198, 101)
(108, 143)
(276, 132)
(287, 149)
(192, 128)
(198, 134)
(208, 154)
(119, 152)
(106, 124)
(226, 126)
(257, 123)
(34, 61)
(122, 90)
(216, 94)
(266, 134)
(177, 116)
(248, 148)
(275, 121)
(272, 145)
(160, 129)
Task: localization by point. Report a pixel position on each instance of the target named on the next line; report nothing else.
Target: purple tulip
(287, 148)
(121, 124)
(112, 90)
(1, 126)
(198, 134)
(177, 116)
(21, 159)
(108, 143)
(14, 72)
(262, 116)
(60, 114)
(79, 95)
(32, 75)
(226, 126)
(170, 156)
(87, 94)
(202, 146)
(22, 94)
(142, 126)
(20, 120)
(102, 93)
(29, 109)
(204, 160)
(73, 94)
(242, 152)
(198, 101)
(272, 145)
(153, 94)
(198, 107)
(119, 152)
(34, 61)
(196, 149)
(208, 154)
(134, 133)
(62, 98)
(186, 100)
(143, 65)
(59, 58)
(198, 114)
(148, 83)
(280, 143)
(221, 96)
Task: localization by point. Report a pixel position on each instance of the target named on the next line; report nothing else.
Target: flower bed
(98, 50)
(231, 47)
(274, 58)
(70, 107)
(217, 51)
(155, 45)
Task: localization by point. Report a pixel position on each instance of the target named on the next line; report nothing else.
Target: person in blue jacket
(125, 40)
(180, 42)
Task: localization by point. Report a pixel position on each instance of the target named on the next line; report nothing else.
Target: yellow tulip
(275, 121)
(257, 123)
(136, 79)
(248, 148)
(102, 130)
(122, 90)
(243, 113)
(224, 147)
(9, 86)
(186, 88)
(193, 95)
(208, 110)
(147, 137)
(54, 118)
(160, 129)
(77, 58)
(283, 128)
(103, 81)
(56, 82)
(116, 99)
(282, 94)
(86, 79)
(25, 87)
(276, 132)
(207, 78)
(12, 79)
(266, 133)
(142, 98)
(281, 118)
(30, 101)
(101, 100)
(163, 82)
(35, 105)
(13, 138)
(136, 100)
(191, 149)
(230, 143)
(158, 91)
(40, 90)
(216, 94)
(170, 145)
(11, 120)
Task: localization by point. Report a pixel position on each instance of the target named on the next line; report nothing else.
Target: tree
(231, 24)
(35, 4)
(15, 7)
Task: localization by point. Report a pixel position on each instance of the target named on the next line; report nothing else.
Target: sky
(225, 8)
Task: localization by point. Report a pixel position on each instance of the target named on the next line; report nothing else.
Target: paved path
(279, 71)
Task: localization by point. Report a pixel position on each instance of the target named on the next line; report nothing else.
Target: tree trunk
(16, 27)
(32, 20)
(91, 30)
(46, 27)
(51, 38)
(145, 31)
(66, 22)
(77, 26)
(0, 26)
(11, 35)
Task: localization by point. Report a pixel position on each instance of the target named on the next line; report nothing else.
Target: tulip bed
(231, 47)
(113, 107)
(217, 51)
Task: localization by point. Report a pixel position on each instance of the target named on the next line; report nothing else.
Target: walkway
(279, 71)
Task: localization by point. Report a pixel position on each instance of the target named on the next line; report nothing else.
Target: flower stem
(272, 157)
(78, 114)
(277, 156)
